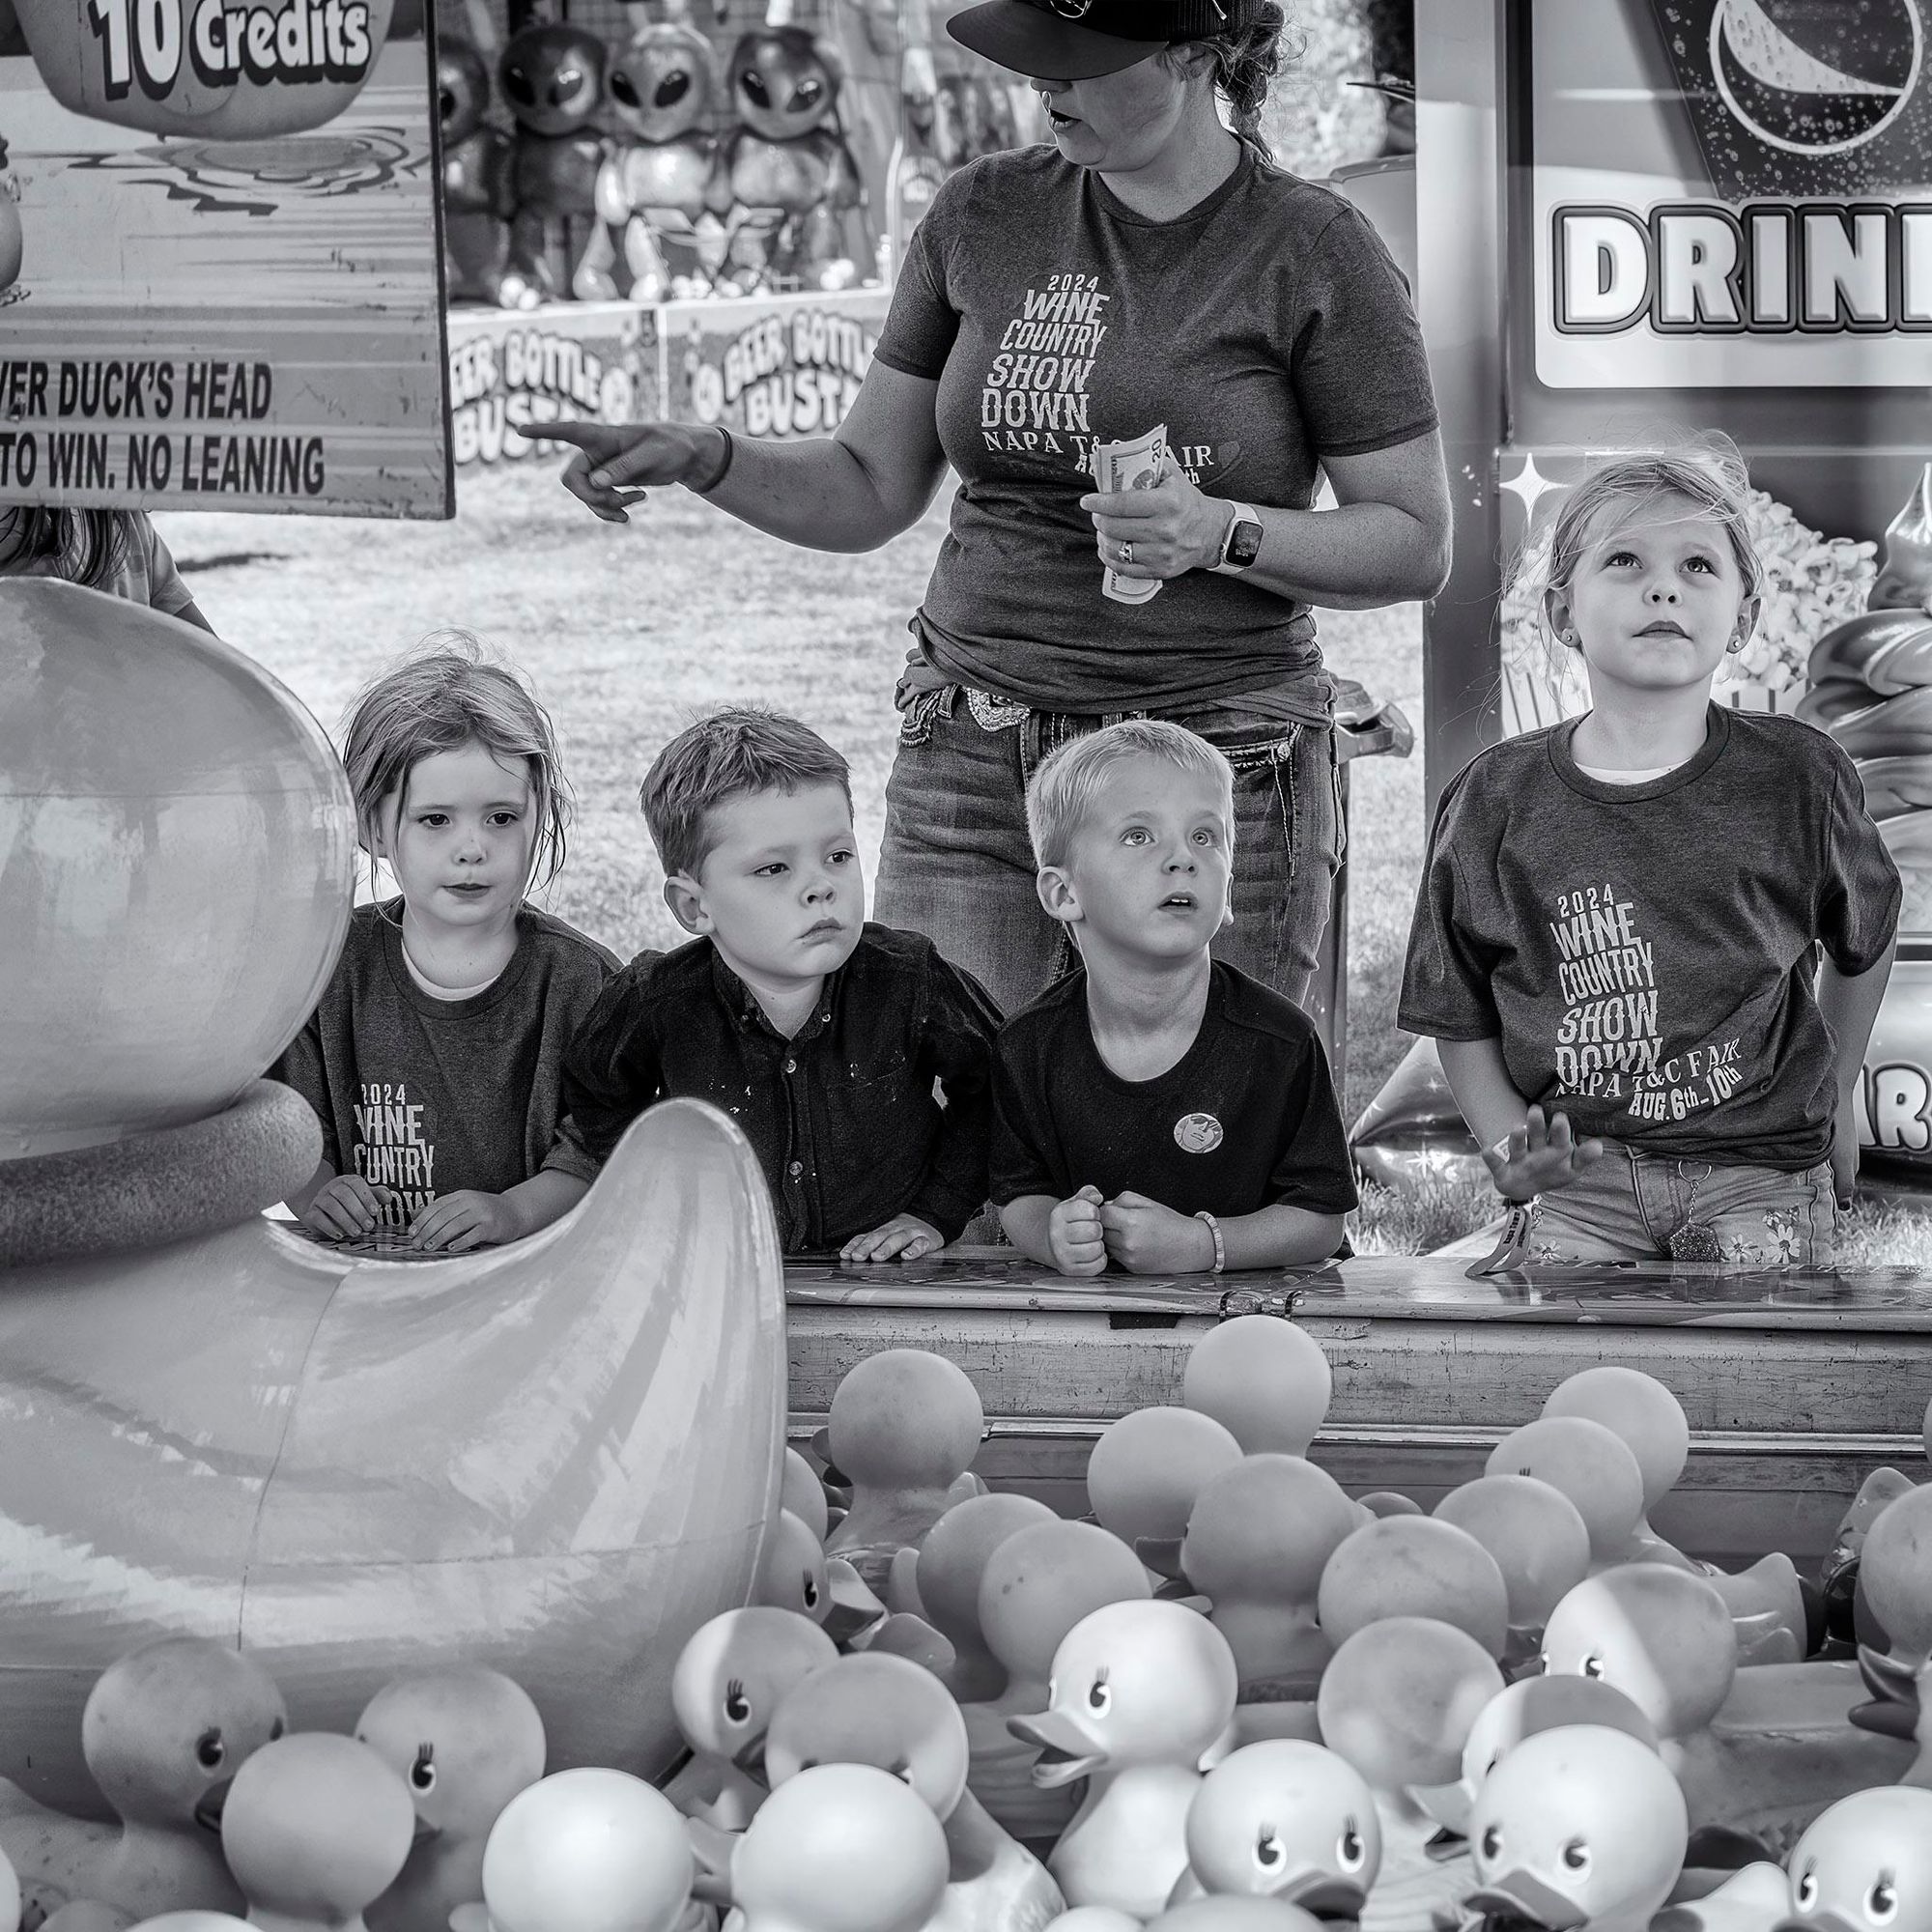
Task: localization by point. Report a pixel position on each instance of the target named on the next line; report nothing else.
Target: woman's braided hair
(1245, 58)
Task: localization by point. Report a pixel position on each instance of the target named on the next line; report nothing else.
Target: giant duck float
(557, 1458)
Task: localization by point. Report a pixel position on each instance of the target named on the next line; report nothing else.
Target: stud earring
(1736, 644)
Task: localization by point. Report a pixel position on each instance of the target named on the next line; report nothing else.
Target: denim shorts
(958, 866)
(1630, 1205)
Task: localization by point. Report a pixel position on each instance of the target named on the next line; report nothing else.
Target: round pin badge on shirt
(1197, 1133)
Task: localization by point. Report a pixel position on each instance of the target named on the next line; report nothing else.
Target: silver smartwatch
(1243, 543)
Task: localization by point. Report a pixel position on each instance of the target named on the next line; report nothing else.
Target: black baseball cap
(1080, 40)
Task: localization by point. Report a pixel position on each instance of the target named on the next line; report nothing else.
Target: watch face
(1245, 545)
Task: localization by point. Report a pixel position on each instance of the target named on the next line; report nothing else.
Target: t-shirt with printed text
(429, 1097)
(1645, 952)
(1267, 327)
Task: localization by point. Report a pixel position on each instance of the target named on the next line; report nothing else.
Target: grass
(629, 632)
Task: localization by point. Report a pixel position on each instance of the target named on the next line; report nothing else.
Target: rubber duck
(587, 1850)
(885, 1711)
(731, 1676)
(1767, 1605)
(1149, 1466)
(1265, 1380)
(1284, 1819)
(87, 1915)
(1765, 1602)
(1760, 1752)
(1592, 1466)
(791, 1569)
(194, 1921)
(838, 1848)
(1140, 1691)
(464, 1741)
(1895, 1580)
(904, 1427)
(1527, 1707)
(316, 1829)
(1397, 1701)
(802, 1491)
(1652, 1425)
(947, 1574)
(1577, 1829)
(1037, 1583)
(163, 1730)
(1659, 1634)
(881, 1711)
(1259, 1540)
(1540, 1544)
(1844, 1605)
(1390, 1502)
(1405, 1566)
(1236, 1915)
(1753, 1898)
(1866, 1861)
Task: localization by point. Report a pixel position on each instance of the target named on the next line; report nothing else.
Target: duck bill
(1894, 1712)
(854, 1608)
(208, 1811)
(1066, 1751)
(1162, 1556)
(1523, 1895)
(750, 1758)
(1322, 1895)
(1449, 1805)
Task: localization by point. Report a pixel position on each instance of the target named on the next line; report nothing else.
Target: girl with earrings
(1617, 942)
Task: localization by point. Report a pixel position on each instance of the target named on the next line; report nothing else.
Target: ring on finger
(1127, 552)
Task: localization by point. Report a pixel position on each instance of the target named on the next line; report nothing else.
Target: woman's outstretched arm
(851, 491)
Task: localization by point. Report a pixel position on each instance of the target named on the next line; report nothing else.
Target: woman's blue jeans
(956, 863)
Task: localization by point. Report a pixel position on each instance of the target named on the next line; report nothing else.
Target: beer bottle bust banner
(221, 288)
(1733, 193)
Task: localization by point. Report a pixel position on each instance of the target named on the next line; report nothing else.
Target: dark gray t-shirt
(1645, 952)
(1267, 327)
(429, 1097)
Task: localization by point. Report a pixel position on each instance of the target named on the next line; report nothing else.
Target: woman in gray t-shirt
(1151, 268)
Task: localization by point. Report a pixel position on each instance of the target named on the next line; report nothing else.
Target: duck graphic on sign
(1798, 97)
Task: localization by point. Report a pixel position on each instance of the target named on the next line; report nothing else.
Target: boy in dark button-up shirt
(820, 1034)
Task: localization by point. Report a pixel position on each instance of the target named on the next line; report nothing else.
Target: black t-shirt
(1266, 328)
(429, 1097)
(842, 1114)
(1245, 1119)
(1645, 952)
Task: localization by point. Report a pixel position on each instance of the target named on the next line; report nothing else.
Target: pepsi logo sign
(1816, 81)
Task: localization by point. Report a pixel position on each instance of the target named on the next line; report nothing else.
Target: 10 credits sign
(148, 41)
